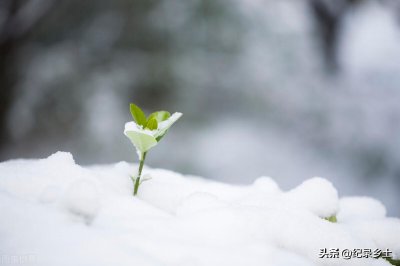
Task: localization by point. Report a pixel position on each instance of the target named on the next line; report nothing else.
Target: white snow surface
(55, 212)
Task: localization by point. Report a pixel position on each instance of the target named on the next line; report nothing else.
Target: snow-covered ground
(55, 212)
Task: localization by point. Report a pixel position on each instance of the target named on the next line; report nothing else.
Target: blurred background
(284, 88)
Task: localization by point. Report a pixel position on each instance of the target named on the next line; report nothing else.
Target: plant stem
(137, 180)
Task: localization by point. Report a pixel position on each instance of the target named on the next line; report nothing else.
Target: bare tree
(328, 16)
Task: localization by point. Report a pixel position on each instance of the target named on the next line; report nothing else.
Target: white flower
(143, 138)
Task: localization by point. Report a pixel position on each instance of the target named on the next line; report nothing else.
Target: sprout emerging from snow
(145, 133)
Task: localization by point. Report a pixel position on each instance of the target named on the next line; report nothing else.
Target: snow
(55, 212)
(306, 194)
(81, 198)
(360, 208)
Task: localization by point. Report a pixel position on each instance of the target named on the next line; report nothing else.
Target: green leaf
(138, 115)
(166, 125)
(152, 124)
(331, 219)
(159, 116)
(141, 141)
(160, 137)
(393, 261)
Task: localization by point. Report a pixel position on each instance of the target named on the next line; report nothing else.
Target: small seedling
(145, 133)
(331, 219)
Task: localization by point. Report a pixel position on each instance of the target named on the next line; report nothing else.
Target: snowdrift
(55, 212)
